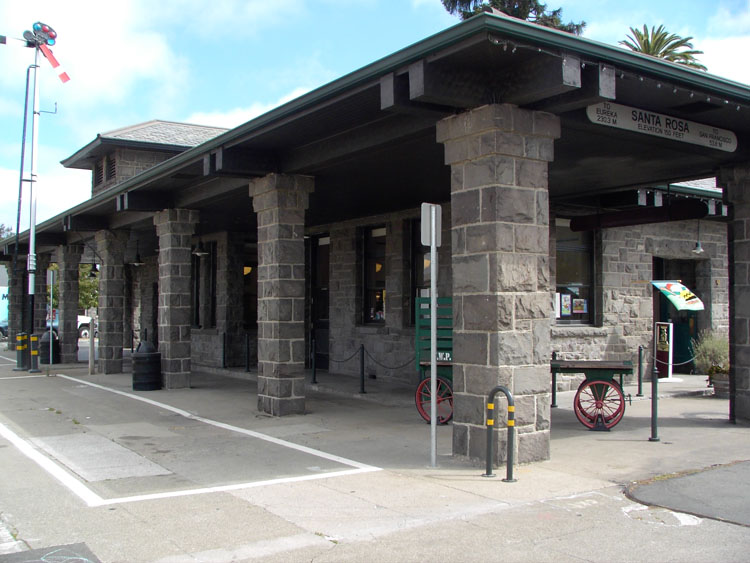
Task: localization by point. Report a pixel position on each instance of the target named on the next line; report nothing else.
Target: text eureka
(651, 123)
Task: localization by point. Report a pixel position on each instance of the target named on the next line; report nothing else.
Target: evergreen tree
(530, 10)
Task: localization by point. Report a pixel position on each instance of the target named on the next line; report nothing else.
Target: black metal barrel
(44, 348)
(146, 368)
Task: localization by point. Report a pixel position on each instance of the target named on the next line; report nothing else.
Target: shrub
(711, 351)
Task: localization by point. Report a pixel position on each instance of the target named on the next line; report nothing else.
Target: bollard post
(510, 451)
(34, 341)
(640, 371)
(654, 404)
(21, 352)
(312, 362)
(362, 368)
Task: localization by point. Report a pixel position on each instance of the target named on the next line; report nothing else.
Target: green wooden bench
(444, 357)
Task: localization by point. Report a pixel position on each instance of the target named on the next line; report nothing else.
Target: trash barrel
(146, 368)
(44, 348)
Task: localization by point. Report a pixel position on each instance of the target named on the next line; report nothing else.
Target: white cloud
(238, 116)
(725, 57)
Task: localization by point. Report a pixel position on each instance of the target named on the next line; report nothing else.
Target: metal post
(554, 384)
(312, 362)
(510, 452)
(224, 350)
(247, 351)
(92, 349)
(654, 403)
(433, 337)
(640, 371)
(362, 368)
(31, 264)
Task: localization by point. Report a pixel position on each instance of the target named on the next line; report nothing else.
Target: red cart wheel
(599, 398)
(444, 400)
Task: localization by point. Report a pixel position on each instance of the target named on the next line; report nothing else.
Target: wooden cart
(599, 400)
(444, 358)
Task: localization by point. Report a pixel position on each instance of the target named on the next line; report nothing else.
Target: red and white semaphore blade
(53, 61)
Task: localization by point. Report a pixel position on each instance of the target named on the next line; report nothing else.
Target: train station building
(569, 173)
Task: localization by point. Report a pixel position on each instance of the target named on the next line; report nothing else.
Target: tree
(664, 45)
(5, 231)
(530, 10)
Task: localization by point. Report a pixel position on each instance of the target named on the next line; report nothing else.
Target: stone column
(280, 202)
(175, 228)
(502, 301)
(111, 249)
(737, 183)
(41, 293)
(70, 259)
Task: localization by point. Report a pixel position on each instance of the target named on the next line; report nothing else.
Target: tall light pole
(40, 38)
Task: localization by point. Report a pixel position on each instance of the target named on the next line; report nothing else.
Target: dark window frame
(588, 248)
(370, 312)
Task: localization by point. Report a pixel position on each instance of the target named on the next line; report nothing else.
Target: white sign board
(661, 125)
(427, 224)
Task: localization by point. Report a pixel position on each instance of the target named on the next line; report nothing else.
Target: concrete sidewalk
(199, 475)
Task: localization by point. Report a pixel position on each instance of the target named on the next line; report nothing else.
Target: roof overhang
(369, 137)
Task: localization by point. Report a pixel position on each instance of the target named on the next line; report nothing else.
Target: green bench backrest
(444, 342)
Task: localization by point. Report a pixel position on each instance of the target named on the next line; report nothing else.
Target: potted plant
(711, 350)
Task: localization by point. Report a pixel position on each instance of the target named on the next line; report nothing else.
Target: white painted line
(20, 377)
(236, 487)
(84, 493)
(94, 500)
(231, 428)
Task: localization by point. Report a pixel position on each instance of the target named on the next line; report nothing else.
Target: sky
(223, 62)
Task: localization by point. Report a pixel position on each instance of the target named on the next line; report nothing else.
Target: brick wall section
(69, 260)
(111, 249)
(175, 228)
(391, 344)
(737, 182)
(280, 202)
(147, 300)
(128, 163)
(502, 302)
(624, 268)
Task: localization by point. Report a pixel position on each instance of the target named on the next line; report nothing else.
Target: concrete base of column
(176, 380)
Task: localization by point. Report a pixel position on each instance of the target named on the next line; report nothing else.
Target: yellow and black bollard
(21, 355)
(510, 455)
(34, 338)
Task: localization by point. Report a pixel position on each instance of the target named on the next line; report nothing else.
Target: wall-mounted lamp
(137, 262)
(199, 250)
(698, 248)
(94, 271)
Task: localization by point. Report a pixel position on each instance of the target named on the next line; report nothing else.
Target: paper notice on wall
(566, 305)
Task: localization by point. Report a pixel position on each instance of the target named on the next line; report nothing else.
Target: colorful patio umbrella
(679, 295)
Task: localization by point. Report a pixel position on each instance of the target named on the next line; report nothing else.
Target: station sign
(661, 125)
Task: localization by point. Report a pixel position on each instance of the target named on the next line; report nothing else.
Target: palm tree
(530, 10)
(661, 44)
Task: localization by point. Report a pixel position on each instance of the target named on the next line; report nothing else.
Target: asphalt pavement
(94, 470)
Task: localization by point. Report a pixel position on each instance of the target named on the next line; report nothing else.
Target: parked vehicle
(84, 323)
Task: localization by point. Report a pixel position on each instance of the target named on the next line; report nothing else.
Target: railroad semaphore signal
(42, 37)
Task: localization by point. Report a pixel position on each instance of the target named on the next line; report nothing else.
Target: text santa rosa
(661, 125)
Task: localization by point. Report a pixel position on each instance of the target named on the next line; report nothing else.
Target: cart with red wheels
(443, 358)
(599, 401)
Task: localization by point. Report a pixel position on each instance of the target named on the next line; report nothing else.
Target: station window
(373, 274)
(575, 275)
